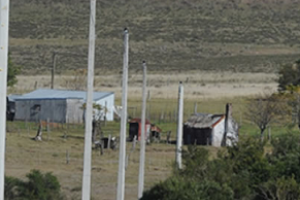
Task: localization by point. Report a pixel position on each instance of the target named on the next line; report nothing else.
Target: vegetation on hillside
(248, 170)
(239, 35)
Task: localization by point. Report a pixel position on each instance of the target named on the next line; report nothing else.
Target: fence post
(108, 142)
(67, 157)
(48, 125)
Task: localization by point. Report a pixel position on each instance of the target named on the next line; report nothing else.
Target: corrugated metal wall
(34, 110)
(59, 110)
(75, 112)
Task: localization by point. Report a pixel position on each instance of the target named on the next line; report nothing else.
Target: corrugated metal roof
(13, 97)
(202, 120)
(61, 94)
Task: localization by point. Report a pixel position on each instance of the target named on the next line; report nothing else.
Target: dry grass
(198, 85)
(24, 154)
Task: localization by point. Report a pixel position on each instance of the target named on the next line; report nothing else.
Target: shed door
(203, 136)
(133, 130)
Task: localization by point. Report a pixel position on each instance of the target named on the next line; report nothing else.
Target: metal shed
(61, 106)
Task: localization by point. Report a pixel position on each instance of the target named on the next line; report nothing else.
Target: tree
(290, 110)
(289, 76)
(262, 111)
(13, 71)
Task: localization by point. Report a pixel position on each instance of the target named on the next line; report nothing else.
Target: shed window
(36, 107)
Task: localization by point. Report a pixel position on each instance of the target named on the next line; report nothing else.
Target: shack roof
(138, 120)
(202, 120)
(42, 94)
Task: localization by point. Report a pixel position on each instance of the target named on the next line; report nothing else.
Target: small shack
(61, 106)
(135, 129)
(211, 129)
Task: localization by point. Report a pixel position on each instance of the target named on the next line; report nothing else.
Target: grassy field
(24, 154)
(180, 35)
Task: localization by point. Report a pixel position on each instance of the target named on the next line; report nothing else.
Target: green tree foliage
(13, 71)
(38, 187)
(289, 76)
(243, 171)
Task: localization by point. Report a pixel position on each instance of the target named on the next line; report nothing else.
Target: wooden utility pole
(179, 126)
(86, 176)
(227, 115)
(122, 150)
(54, 56)
(143, 138)
(4, 21)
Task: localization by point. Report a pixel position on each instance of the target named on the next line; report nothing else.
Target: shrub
(243, 171)
(289, 76)
(38, 187)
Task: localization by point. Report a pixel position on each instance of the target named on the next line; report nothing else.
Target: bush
(243, 171)
(10, 188)
(38, 187)
(289, 76)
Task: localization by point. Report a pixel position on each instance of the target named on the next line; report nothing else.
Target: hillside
(236, 35)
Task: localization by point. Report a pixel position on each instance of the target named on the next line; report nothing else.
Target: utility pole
(86, 176)
(4, 19)
(54, 56)
(227, 115)
(122, 153)
(179, 126)
(143, 142)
